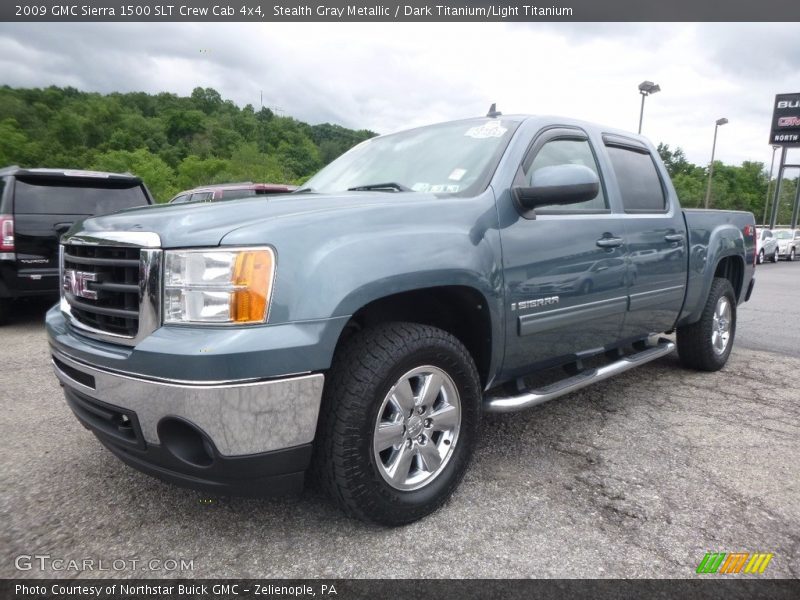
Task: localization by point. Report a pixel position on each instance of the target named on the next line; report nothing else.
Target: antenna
(493, 112)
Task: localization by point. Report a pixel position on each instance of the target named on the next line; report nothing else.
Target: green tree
(158, 175)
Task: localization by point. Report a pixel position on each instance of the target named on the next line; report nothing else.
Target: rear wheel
(399, 422)
(5, 310)
(706, 344)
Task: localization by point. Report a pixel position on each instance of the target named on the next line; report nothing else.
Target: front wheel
(791, 255)
(399, 421)
(761, 257)
(706, 344)
(776, 257)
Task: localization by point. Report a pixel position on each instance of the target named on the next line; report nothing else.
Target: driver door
(566, 267)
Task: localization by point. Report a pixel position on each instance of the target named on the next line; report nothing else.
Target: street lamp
(721, 121)
(645, 89)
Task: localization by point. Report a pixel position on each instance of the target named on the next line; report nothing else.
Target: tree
(158, 175)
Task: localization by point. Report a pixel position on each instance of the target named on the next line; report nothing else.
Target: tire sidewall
(469, 396)
(363, 372)
(761, 257)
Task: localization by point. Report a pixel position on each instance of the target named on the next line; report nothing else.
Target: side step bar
(502, 404)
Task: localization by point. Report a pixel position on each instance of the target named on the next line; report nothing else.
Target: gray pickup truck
(358, 327)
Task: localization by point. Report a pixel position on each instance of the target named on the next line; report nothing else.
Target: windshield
(783, 235)
(451, 158)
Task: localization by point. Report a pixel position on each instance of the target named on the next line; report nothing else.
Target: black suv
(36, 207)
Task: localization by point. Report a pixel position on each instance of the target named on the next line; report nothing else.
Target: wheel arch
(731, 268)
(463, 311)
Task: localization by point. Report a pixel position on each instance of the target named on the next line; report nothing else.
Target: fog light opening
(185, 442)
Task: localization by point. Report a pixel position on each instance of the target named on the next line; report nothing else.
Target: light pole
(769, 184)
(645, 89)
(721, 121)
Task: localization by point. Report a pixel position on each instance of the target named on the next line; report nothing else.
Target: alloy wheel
(417, 428)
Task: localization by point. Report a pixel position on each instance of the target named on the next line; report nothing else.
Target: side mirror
(559, 184)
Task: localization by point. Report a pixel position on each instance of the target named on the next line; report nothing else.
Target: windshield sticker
(457, 174)
(489, 129)
(421, 187)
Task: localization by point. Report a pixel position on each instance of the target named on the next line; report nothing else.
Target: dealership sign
(786, 120)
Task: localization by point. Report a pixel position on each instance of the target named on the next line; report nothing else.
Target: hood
(205, 224)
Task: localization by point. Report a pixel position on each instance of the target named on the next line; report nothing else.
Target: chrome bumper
(239, 417)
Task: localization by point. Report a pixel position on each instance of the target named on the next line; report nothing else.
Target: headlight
(218, 286)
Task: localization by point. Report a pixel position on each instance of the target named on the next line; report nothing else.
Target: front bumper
(243, 438)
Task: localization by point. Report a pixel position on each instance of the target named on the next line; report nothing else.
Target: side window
(639, 183)
(180, 199)
(202, 196)
(232, 194)
(566, 152)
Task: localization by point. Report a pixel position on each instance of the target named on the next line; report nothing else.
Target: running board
(501, 404)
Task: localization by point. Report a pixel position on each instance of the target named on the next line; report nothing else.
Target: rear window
(638, 180)
(66, 198)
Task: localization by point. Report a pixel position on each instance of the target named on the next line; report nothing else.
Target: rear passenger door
(656, 234)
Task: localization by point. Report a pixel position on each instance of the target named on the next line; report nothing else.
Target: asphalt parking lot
(639, 476)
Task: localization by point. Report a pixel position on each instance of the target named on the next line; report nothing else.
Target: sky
(391, 76)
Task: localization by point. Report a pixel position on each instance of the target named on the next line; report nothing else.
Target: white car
(766, 246)
(788, 243)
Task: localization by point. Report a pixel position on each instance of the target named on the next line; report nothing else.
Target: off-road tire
(364, 369)
(694, 341)
(5, 310)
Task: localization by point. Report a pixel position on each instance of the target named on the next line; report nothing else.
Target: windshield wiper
(306, 190)
(397, 187)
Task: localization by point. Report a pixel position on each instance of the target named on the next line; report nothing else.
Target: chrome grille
(111, 284)
(108, 298)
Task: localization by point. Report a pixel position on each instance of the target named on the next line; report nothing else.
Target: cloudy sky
(391, 76)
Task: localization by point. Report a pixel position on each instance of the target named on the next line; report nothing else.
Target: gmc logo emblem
(77, 283)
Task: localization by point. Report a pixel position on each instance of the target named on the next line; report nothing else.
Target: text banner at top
(406, 11)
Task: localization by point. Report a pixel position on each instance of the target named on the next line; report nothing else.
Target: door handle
(674, 237)
(609, 242)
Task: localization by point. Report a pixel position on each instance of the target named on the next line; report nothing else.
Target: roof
(270, 187)
(65, 173)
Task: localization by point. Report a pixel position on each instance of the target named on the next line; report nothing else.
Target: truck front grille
(101, 285)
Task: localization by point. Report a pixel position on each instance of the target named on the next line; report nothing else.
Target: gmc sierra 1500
(361, 325)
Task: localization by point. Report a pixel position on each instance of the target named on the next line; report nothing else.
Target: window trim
(543, 137)
(620, 142)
